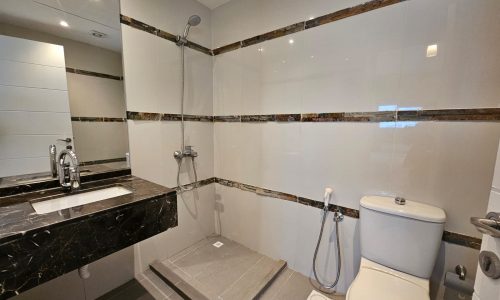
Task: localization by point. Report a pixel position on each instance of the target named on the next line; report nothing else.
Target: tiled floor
(131, 290)
(227, 273)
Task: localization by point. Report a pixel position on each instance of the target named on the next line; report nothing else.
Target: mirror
(61, 84)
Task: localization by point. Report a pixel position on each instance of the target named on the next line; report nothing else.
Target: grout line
(242, 275)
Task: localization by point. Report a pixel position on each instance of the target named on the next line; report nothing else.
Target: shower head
(194, 20)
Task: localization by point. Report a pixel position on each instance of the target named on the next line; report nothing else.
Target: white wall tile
(35, 123)
(33, 99)
(31, 75)
(27, 51)
(15, 146)
(152, 145)
(24, 165)
(91, 96)
(447, 164)
(100, 140)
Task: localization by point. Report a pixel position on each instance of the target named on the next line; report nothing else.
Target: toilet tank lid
(412, 209)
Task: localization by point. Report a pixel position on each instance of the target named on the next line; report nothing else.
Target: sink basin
(69, 201)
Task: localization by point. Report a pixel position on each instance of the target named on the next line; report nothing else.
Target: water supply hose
(339, 264)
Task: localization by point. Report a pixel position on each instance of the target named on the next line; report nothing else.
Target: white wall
(89, 96)
(35, 108)
(356, 64)
(152, 84)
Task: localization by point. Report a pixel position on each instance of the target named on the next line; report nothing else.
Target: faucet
(69, 172)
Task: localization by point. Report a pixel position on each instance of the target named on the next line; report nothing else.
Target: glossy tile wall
(375, 61)
(89, 96)
(32, 88)
(152, 84)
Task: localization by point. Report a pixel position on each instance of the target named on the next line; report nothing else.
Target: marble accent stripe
(198, 184)
(308, 24)
(479, 114)
(274, 34)
(449, 237)
(102, 161)
(97, 119)
(350, 12)
(160, 33)
(145, 116)
(91, 73)
(462, 240)
(280, 32)
(476, 114)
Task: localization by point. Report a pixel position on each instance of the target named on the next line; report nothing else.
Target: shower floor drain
(218, 244)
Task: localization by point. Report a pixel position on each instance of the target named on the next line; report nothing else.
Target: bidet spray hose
(339, 258)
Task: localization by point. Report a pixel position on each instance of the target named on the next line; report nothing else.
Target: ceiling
(213, 3)
(83, 16)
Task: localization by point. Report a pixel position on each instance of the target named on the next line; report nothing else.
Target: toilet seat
(375, 281)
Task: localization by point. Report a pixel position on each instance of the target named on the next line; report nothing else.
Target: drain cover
(218, 244)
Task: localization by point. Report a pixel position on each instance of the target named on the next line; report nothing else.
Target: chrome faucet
(69, 172)
(53, 160)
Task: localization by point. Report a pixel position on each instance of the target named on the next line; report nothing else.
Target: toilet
(400, 241)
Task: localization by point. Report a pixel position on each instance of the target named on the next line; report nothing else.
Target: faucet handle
(67, 140)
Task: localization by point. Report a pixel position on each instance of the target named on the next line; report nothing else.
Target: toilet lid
(375, 284)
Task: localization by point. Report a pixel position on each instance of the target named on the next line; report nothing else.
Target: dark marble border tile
(200, 48)
(482, 114)
(475, 114)
(462, 240)
(226, 48)
(288, 117)
(97, 119)
(137, 24)
(198, 184)
(227, 118)
(143, 116)
(94, 74)
(350, 12)
(273, 34)
(382, 116)
(258, 118)
(102, 161)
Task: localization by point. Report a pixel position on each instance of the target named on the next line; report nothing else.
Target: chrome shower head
(194, 20)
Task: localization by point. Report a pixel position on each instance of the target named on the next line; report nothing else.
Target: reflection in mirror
(61, 84)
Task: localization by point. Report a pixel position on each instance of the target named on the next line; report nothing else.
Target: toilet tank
(402, 237)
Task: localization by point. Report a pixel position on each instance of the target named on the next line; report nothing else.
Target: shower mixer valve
(187, 152)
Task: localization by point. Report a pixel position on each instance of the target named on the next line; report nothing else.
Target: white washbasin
(69, 201)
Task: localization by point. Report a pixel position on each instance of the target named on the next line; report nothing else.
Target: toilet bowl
(400, 241)
(375, 281)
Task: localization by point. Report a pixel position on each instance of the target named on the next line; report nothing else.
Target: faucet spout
(69, 172)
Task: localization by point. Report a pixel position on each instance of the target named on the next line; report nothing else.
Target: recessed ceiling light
(260, 49)
(64, 24)
(432, 50)
(291, 41)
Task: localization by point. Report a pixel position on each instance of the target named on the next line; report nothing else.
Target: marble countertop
(17, 216)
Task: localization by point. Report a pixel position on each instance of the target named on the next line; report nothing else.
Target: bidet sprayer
(327, 197)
